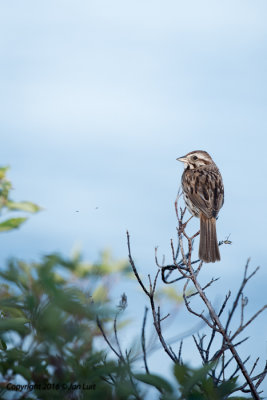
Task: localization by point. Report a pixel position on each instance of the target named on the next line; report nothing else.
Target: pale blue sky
(99, 98)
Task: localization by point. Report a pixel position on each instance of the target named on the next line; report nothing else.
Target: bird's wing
(205, 190)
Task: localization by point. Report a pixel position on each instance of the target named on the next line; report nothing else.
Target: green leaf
(156, 381)
(19, 369)
(14, 324)
(3, 345)
(11, 223)
(227, 387)
(100, 294)
(12, 311)
(181, 373)
(3, 172)
(23, 206)
(197, 376)
(208, 388)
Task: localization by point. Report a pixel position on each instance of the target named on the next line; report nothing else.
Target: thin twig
(205, 287)
(143, 341)
(180, 352)
(116, 335)
(254, 366)
(241, 328)
(106, 339)
(133, 265)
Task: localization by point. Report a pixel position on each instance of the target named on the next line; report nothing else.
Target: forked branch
(187, 269)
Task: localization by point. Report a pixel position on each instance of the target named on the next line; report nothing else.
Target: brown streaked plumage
(204, 195)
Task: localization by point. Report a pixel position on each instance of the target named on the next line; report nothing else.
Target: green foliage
(7, 205)
(192, 384)
(48, 331)
(197, 384)
(158, 382)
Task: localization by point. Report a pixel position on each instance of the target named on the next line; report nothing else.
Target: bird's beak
(182, 159)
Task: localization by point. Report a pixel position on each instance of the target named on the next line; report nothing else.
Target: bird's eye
(194, 157)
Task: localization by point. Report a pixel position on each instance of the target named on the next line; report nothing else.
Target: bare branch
(242, 327)
(258, 377)
(215, 323)
(261, 376)
(106, 339)
(180, 353)
(205, 287)
(200, 349)
(133, 266)
(254, 366)
(224, 303)
(243, 283)
(143, 341)
(189, 269)
(116, 335)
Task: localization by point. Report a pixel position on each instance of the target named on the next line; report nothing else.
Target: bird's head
(196, 159)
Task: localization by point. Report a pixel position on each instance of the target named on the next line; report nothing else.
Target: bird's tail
(208, 245)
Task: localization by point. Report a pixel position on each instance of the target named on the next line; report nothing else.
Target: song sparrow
(204, 195)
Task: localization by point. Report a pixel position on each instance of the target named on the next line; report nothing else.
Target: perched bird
(204, 195)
